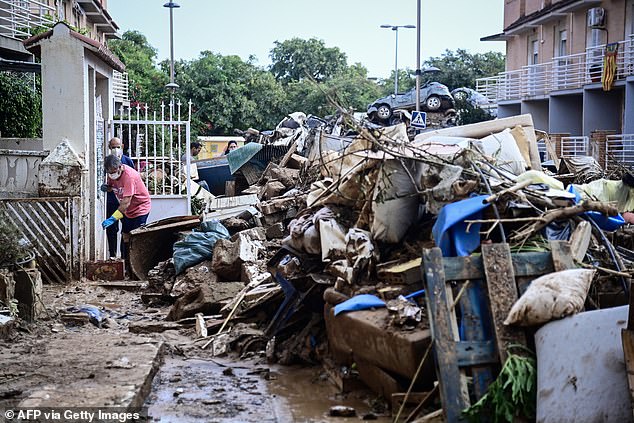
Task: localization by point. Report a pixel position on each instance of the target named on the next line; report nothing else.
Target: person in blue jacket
(112, 204)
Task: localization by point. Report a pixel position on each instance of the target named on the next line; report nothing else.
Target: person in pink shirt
(133, 196)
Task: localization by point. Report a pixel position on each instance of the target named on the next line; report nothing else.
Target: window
(60, 10)
(563, 43)
(533, 52)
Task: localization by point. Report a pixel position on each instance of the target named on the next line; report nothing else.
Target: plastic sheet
(450, 230)
(199, 245)
(359, 302)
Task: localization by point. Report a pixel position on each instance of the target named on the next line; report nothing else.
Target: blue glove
(104, 187)
(109, 221)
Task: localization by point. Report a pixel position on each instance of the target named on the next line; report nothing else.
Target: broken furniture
(486, 290)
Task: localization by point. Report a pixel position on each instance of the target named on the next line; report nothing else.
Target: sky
(250, 27)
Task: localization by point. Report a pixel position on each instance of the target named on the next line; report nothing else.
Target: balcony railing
(120, 88)
(619, 150)
(562, 73)
(18, 18)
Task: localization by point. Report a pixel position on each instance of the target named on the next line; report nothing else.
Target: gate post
(77, 95)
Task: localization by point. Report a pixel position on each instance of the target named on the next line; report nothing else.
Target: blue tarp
(607, 223)
(199, 245)
(450, 229)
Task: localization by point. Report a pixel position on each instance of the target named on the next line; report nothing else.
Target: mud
(54, 359)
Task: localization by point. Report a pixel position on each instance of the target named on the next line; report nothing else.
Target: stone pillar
(76, 85)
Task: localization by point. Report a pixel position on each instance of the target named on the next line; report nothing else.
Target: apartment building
(20, 18)
(555, 59)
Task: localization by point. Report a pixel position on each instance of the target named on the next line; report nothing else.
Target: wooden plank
(472, 353)
(627, 337)
(230, 188)
(474, 310)
(580, 240)
(453, 387)
(630, 315)
(231, 202)
(524, 264)
(562, 255)
(502, 295)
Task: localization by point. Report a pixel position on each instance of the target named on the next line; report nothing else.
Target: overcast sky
(250, 27)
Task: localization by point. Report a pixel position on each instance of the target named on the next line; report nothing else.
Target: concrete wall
(507, 110)
(539, 110)
(63, 85)
(602, 110)
(533, 6)
(75, 85)
(565, 114)
(511, 11)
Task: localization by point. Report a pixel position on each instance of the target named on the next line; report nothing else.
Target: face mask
(117, 151)
(115, 176)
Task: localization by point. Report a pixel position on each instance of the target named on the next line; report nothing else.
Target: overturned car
(434, 97)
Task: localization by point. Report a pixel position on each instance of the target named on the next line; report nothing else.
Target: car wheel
(433, 103)
(384, 112)
(460, 95)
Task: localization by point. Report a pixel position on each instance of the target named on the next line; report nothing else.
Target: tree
(349, 88)
(229, 93)
(461, 68)
(20, 107)
(295, 59)
(147, 82)
(406, 81)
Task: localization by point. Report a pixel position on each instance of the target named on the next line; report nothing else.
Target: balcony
(18, 18)
(120, 88)
(562, 73)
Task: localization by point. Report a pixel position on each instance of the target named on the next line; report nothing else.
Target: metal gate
(155, 142)
(50, 225)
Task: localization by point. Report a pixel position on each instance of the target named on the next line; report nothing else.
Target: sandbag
(199, 245)
(552, 296)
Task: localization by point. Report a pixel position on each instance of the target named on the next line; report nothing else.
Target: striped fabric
(609, 66)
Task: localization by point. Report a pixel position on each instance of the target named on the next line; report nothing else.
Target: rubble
(403, 254)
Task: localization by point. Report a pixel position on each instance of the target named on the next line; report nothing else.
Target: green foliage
(11, 247)
(295, 59)
(147, 82)
(461, 68)
(468, 113)
(20, 107)
(350, 88)
(406, 81)
(228, 93)
(512, 394)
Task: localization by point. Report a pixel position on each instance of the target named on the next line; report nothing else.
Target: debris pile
(340, 247)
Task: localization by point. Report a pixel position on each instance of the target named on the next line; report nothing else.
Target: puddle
(219, 390)
(307, 396)
(203, 391)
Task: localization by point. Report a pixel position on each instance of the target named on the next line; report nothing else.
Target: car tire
(433, 103)
(384, 112)
(460, 95)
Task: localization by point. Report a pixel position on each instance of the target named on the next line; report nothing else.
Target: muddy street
(65, 360)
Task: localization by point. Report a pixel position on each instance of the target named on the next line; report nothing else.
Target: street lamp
(172, 85)
(395, 29)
